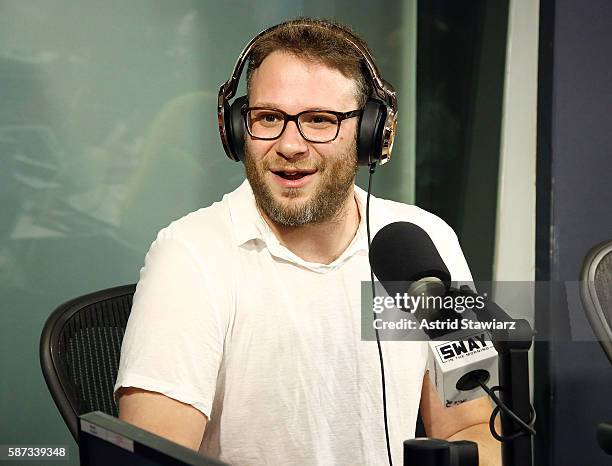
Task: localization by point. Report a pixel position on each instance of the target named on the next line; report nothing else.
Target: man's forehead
(286, 79)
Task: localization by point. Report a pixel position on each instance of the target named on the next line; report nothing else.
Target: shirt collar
(249, 225)
(244, 214)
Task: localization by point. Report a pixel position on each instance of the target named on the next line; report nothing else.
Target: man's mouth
(293, 174)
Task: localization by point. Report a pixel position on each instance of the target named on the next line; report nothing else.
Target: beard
(335, 185)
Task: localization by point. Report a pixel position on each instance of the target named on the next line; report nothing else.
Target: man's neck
(321, 242)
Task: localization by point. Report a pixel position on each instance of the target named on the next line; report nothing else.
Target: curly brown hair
(319, 41)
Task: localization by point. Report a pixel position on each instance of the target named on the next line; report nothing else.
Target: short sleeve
(174, 338)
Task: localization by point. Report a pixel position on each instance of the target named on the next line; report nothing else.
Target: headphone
(377, 125)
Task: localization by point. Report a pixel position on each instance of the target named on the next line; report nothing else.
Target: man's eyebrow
(265, 104)
(278, 107)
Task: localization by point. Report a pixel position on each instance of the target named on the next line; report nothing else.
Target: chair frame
(590, 301)
(52, 366)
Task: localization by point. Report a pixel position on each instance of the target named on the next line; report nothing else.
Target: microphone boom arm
(513, 347)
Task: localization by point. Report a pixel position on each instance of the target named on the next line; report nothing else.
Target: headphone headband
(383, 89)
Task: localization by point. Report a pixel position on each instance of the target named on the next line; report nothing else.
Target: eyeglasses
(314, 125)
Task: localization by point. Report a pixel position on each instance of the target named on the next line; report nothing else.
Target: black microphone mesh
(403, 251)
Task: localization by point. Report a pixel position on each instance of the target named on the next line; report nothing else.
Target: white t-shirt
(267, 345)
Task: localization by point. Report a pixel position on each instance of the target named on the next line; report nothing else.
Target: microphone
(406, 261)
(395, 259)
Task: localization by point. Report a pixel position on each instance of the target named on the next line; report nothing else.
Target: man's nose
(291, 144)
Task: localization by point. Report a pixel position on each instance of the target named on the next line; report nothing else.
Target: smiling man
(310, 185)
(304, 189)
(244, 338)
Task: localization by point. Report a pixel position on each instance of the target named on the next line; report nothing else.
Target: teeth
(291, 176)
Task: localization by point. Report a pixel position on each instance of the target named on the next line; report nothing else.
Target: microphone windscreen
(403, 251)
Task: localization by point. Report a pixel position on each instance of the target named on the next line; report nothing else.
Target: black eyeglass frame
(295, 118)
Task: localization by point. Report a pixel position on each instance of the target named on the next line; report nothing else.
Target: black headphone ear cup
(234, 127)
(371, 127)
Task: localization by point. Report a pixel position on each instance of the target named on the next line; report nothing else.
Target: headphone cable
(372, 168)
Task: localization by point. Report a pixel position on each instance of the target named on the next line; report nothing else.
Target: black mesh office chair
(596, 294)
(80, 347)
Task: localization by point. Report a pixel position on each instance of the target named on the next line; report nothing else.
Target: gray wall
(578, 152)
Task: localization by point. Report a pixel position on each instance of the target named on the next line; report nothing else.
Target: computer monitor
(105, 440)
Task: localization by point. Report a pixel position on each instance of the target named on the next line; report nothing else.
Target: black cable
(526, 429)
(380, 356)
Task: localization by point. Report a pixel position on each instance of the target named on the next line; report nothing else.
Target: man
(244, 339)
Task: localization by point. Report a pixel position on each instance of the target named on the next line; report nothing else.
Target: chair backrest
(596, 293)
(80, 347)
